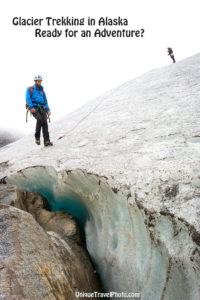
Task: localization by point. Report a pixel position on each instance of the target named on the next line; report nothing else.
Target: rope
(80, 121)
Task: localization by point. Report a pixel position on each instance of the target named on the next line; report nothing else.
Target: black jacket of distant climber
(170, 51)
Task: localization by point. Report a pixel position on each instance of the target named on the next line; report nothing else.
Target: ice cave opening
(101, 212)
(132, 249)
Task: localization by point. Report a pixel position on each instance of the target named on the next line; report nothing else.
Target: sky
(77, 70)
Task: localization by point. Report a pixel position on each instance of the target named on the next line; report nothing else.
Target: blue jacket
(37, 99)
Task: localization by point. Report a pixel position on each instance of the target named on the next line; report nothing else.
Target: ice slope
(132, 158)
(146, 130)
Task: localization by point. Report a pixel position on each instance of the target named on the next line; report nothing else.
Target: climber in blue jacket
(37, 103)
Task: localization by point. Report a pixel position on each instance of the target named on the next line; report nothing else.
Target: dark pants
(41, 118)
(172, 57)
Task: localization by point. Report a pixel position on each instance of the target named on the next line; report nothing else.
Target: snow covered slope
(132, 157)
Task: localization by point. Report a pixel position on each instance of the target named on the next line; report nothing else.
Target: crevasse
(133, 250)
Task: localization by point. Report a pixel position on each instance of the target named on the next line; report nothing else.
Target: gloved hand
(33, 110)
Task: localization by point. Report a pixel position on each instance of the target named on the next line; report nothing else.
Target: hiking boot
(48, 143)
(37, 141)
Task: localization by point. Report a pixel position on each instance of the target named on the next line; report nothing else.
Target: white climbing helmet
(38, 77)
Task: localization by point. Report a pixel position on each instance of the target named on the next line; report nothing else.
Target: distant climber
(171, 54)
(36, 101)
